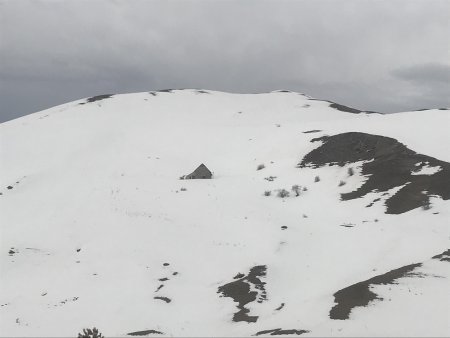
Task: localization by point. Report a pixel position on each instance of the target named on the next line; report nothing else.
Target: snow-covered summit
(320, 219)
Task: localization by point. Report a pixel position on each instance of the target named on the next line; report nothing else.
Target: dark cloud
(357, 52)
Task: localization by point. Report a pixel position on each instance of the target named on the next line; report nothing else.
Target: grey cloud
(56, 51)
(425, 73)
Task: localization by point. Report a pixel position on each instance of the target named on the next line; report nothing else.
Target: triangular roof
(202, 166)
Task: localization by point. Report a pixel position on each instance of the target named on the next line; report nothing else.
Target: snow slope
(96, 229)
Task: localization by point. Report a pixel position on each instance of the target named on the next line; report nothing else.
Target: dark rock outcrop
(360, 294)
(240, 291)
(389, 164)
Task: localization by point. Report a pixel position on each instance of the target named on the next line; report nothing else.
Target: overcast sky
(387, 56)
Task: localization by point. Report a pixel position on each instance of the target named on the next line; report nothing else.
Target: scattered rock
(280, 307)
(165, 299)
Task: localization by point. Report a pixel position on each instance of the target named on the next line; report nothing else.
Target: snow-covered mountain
(98, 229)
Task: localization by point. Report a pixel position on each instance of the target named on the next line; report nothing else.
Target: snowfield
(97, 229)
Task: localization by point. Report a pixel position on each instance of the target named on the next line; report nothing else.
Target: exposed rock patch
(445, 256)
(144, 333)
(346, 109)
(244, 290)
(360, 294)
(97, 98)
(280, 307)
(388, 164)
(279, 332)
(165, 299)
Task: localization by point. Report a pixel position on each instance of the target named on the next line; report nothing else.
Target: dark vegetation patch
(88, 333)
(165, 299)
(12, 251)
(277, 332)
(202, 92)
(240, 291)
(165, 91)
(312, 131)
(360, 294)
(282, 193)
(97, 98)
(391, 164)
(144, 333)
(152, 93)
(445, 256)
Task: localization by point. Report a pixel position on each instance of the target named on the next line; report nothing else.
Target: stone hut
(202, 172)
